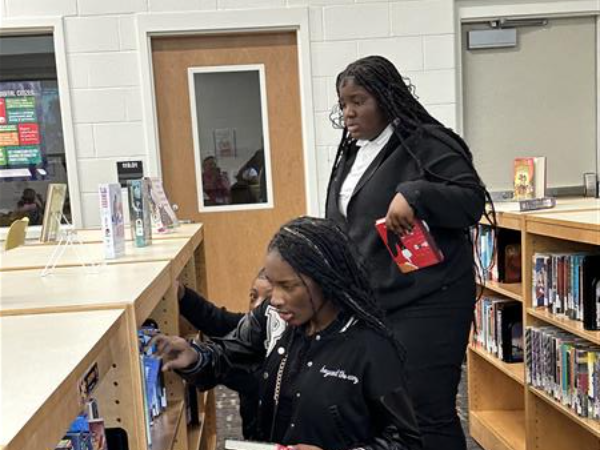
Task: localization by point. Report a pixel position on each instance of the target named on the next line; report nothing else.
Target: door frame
(468, 11)
(151, 25)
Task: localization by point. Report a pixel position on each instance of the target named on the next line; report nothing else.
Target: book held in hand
(413, 251)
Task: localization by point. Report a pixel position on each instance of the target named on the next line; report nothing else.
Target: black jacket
(448, 209)
(217, 322)
(348, 389)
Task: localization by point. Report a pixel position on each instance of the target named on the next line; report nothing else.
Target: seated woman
(333, 377)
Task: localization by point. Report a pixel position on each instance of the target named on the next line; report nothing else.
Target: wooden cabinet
(504, 412)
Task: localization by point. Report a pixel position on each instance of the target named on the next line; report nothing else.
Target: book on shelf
(499, 328)
(112, 220)
(53, 211)
(568, 284)
(234, 444)
(413, 251)
(139, 212)
(529, 176)
(498, 254)
(565, 367)
(163, 215)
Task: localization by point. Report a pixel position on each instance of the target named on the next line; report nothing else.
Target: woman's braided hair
(320, 250)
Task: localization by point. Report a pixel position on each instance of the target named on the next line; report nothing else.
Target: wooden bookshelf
(498, 430)
(44, 357)
(514, 370)
(166, 426)
(504, 412)
(572, 326)
(510, 290)
(141, 285)
(593, 426)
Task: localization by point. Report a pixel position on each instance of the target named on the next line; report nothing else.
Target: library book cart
(505, 413)
(78, 324)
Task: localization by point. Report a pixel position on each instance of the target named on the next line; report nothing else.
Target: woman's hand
(400, 216)
(174, 351)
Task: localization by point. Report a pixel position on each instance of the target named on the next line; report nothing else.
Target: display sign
(20, 137)
(129, 170)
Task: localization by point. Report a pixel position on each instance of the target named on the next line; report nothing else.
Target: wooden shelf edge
(572, 326)
(503, 289)
(516, 371)
(593, 426)
(498, 430)
(506, 219)
(194, 436)
(166, 425)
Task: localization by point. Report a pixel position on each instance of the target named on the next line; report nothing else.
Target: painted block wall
(102, 58)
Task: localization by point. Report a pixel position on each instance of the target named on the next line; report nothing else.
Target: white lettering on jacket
(275, 328)
(338, 373)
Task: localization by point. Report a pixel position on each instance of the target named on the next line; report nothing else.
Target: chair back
(16, 233)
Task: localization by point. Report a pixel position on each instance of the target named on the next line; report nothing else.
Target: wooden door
(235, 241)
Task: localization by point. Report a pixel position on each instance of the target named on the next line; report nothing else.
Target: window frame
(54, 26)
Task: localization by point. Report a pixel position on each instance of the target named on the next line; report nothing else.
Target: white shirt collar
(380, 140)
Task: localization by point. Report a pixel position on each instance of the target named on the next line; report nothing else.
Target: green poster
(8, 128)
(20, 102)
(23, 155)
(3, 161)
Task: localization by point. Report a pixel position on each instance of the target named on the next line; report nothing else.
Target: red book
(413, 251)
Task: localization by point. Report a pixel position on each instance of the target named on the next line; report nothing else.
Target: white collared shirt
(367, 153)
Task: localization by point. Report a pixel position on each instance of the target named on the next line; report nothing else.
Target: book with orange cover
(413, 251)
(524, 183)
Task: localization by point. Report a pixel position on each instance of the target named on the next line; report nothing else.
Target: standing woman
(396, 161)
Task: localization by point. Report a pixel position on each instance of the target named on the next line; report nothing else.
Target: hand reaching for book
(400, 216)
(175, 352)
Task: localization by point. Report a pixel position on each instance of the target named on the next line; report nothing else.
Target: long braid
(320, 250)
(397, 101)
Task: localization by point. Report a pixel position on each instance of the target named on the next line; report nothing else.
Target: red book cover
(413, 251)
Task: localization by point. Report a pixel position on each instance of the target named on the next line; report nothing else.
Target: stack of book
(498, 254)
(499, 328)
(565, 367)
(155, 392)
(568, 284)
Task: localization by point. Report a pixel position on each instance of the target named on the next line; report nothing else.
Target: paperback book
(163, 215)
(139, 212)
(529, 178)
(112, 221)
(55, 201)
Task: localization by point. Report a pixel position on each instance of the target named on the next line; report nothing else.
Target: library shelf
(572, 326)
(498, 429)
(510, 290)
(516, 371)
(593, 426)
(166, 426)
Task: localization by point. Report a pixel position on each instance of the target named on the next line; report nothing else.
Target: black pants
(435, 333)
